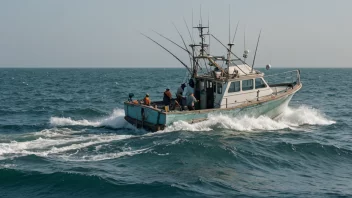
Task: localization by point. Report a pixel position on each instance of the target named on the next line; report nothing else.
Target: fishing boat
(225, 85)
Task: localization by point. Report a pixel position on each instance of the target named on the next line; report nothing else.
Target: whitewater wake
(115, 120)
(291, 118)
(68, 144)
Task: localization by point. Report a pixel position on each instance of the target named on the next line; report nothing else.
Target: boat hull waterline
(153, 119)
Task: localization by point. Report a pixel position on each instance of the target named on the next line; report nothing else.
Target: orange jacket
(146, 101)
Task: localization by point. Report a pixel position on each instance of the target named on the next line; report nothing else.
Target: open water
(62, 134)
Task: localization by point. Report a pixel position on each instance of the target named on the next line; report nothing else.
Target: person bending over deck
(190, 101)
(167, 97)
(146, 100)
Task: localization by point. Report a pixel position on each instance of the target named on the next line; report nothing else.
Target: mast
(202, 45)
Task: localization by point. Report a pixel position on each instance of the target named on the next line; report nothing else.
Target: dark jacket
(167, 97)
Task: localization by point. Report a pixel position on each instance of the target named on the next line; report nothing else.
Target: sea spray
(115, 120)
(291, 118)
(47, 146)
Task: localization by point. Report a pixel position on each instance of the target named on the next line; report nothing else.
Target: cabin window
(235, 87)
(219, 85)
(247, 85)
(214, 87)
(259, 83)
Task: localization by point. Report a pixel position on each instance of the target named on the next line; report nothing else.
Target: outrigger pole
(169, 52)
(185, 49)
(184, 43)
(255, 54)
(189, 32)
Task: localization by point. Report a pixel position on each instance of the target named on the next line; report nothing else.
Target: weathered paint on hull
(145, 114)
(154, 119)
(271, 108)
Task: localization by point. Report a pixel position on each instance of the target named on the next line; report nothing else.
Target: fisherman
(130, 97)
(167, 97)
(190, 101)
(179, 93)
(146, 100)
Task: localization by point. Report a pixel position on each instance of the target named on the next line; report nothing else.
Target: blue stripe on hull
(150, 115)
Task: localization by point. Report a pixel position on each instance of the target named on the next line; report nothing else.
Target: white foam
(115, 120)
(291, 118)
(55, 121)
(46, 146)
(7, 166)
(106, 156)
(304, 115)
(63, 142)
(55, 132)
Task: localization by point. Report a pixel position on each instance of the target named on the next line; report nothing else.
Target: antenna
(245, 51)
(255, 54)
(229, 24)
(208, 33)
(234, 36)
(200, 14)
(192, 27)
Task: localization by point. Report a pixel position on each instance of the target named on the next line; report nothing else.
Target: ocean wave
(314, 149)
(76, 184)
(290, 119)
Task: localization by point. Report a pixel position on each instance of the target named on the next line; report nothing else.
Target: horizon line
(149, 67)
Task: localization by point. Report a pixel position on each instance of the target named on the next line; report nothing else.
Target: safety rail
(257, 98)
(293, 76)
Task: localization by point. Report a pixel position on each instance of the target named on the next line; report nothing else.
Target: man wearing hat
(146, 100)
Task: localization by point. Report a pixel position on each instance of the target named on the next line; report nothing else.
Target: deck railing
(293, 77)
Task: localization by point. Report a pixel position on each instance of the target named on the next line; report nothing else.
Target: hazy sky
(105, 33)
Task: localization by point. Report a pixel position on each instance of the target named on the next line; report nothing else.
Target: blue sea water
(62, 134)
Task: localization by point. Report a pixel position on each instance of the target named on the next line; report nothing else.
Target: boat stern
(142, 116)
